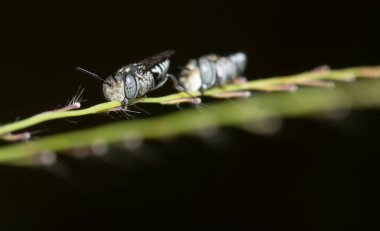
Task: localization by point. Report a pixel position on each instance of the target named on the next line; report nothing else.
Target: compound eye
(207, 70)
(130, 87)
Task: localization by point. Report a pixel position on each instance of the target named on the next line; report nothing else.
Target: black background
(314, 174)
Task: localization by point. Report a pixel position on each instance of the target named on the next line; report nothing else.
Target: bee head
(113, 88)
(122, 86)
(190, 78)
(117, 87)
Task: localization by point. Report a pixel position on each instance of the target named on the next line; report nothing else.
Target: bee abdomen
(226, 71)
(160, 70)
(240, 60)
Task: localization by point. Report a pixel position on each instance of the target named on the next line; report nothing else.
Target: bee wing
(156, 59)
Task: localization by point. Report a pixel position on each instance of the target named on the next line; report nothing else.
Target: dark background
(313, 174)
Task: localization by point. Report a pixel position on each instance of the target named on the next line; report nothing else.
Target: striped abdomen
(160, 70)
(229, 68)
(149, 79)
(220, 70)
(211, 70)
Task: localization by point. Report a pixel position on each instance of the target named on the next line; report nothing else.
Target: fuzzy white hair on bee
(190, 78)
(211, 70)
(115, 91)
(137, 79)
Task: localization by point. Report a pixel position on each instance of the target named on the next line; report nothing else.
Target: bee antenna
(93, 75)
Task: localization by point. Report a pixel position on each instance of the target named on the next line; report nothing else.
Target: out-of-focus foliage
(260, 108)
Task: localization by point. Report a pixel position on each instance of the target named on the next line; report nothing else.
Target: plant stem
(285, 83)
(238, 113)
(51, 115)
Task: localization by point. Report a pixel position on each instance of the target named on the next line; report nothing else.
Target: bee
(137, 79)
(212, 70)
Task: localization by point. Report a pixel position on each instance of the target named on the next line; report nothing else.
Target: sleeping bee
(137, 79)
(212, 70)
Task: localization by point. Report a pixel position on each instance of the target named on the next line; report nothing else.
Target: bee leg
(176, 85)
(240, 80)
(232, 94)
(161, 83)
(202, 91)
(125, 103)
(323, 68)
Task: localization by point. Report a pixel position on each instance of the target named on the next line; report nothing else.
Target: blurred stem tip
(257, 108)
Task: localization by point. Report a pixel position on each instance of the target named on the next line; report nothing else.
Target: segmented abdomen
(240, 60)
(226, 68)
(160, 70)
(151, 78)
(229, 68)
